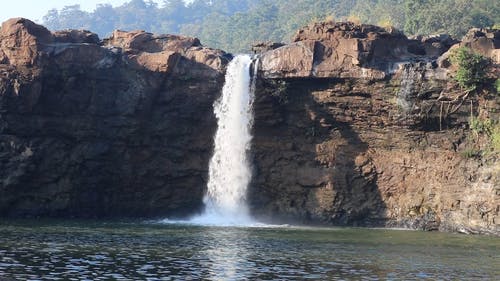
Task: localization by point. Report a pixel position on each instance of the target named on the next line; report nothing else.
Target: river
(134, 250)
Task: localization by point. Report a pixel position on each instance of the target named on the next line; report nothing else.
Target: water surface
(83, 250)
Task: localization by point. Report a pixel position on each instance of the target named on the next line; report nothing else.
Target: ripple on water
(179, 252)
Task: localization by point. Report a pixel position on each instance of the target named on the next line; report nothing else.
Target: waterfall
(229, 168)
(412, 76)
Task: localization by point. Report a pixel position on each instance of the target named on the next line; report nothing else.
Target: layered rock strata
(89, 128)
(358, 125)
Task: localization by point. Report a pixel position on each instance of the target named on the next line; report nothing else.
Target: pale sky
(36, 9)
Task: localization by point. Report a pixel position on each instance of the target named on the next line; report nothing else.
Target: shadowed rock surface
(92, 129)
(354, 125)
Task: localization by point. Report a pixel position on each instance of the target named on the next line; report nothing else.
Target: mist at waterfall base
(229, 168)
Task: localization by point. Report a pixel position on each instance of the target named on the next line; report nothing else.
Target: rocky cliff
(359, 125)
(354, 125)
(90, 128)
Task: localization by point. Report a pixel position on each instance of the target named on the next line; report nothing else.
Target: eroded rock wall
(360, 143)
(337, 151)
(95, 129)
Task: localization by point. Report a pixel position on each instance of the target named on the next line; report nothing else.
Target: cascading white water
(229, 169)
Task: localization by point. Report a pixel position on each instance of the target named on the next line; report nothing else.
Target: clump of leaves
(472, 68)
(495, 138)
(470, 153)
(280, 91)
(385, 23)
(497, 86)
(489, 128)
(480, 126)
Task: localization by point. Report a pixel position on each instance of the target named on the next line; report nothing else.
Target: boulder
(147, 42)
(177, 54)
(431, 46)
(213, 61)
(293, 60)
(483, 41)
(21, 41)
(343, 49)
(164, 61)
(76, 36)
(265, 46)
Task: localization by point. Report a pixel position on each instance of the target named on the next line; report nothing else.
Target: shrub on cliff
(489, 129)
(472, 68)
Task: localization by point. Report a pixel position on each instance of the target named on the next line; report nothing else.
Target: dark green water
(56, 250)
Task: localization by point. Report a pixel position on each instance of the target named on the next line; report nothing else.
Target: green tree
(472, 68)
(234, 25)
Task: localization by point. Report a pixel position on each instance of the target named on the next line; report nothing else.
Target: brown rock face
(431, 46)
(344, 50)
(76, 36)
(95, 129)
(147, 42)
(169, 53)
(343, 151)
(484, 41)
(22, 40)
(334, 143)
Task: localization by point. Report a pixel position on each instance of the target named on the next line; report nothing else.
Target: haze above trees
(235, 25)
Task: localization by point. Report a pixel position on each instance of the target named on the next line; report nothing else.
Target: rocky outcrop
(121, 127)
(76, 36)
(342, 138)
(342, 50)
(484, 41)
(169, 53)
(262, 47)
(431, 46)
(21, 42)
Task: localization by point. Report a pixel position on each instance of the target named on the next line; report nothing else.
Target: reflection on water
(139, 251)
(227, 253)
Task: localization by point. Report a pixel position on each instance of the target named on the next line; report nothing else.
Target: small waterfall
(412, 75)
(229, 168)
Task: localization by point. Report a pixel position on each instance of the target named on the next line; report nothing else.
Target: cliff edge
(360, 125)
(90, 128)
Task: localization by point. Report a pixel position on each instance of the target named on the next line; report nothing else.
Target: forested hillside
(234, 25)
